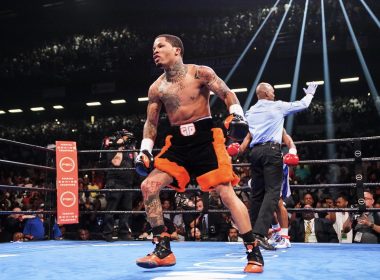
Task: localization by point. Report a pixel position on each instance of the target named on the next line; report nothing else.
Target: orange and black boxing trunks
(196, 149)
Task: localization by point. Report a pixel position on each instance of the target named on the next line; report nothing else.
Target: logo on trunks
(187, 129)
(67, 199)
(67, 164)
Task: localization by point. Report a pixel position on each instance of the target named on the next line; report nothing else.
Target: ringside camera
(112, 141)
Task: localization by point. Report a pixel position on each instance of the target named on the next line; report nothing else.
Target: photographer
(119, 179)
(367, 225)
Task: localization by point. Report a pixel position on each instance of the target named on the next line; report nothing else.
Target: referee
(266, 122)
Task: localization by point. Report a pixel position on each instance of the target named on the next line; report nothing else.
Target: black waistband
(201, 125)
(269, 143)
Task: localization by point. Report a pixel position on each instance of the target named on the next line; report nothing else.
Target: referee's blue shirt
(266, 118)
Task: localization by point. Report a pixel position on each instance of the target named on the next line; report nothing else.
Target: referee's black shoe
(263, 243)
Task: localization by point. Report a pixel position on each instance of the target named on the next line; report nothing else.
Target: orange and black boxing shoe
(255, 259)
(161, 256)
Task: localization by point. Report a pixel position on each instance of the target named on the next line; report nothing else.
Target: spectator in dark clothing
(212, 225)
(12, 224)
(311, 230)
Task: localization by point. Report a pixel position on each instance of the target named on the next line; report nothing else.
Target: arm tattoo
(197, 76)
(150, 126)
(150, 130)
(206, 74)
(220, 88)
(213, 82)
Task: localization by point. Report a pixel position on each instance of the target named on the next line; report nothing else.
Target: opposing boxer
(194, 147)
(280, 223)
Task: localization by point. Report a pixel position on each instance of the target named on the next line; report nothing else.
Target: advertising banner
(67, 182)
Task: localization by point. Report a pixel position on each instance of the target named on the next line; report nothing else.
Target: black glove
(144, 163)
(237, 127)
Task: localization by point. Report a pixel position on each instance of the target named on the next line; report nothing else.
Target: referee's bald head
(265, 91)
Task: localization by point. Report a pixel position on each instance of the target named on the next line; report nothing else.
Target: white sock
(284, 231)
(276, 226)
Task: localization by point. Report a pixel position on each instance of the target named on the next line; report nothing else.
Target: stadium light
(367, 74)
(237, 90)
(2, 112)
(348, 80)
(282, 86)
(118, 101)
(293, 91)
(15, 111)
(234, 90)
(317, 82)
(37, 109)
(371, 13)
(58, 107)
(142, 99)
(329, 118)
(247, 48)
(92, 104)
(252, 90)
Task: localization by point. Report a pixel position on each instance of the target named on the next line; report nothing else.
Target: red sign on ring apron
(67, 182)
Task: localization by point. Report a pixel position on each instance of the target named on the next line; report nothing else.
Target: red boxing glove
(233, 149)
(291, 159)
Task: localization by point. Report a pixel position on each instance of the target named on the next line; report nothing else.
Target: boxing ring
(62, 259)
(195, 260)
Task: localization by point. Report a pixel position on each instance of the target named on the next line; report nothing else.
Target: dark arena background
(80, 70)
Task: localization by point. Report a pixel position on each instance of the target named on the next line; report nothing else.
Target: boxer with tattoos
(194, 147)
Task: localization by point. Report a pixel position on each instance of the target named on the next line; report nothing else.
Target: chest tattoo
(171, 86)
(171, 101)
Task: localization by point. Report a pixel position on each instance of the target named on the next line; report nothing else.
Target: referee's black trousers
(117, 201)
(266, 166)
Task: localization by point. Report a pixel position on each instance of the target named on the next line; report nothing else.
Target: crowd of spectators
(215, 34)
(181, 226)
(102, 52)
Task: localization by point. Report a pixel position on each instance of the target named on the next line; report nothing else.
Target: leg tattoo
(153, 206)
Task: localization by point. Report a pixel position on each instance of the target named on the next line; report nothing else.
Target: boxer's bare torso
(183, 89)
(184, 96)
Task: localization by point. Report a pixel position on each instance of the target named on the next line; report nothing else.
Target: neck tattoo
(177, 73)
